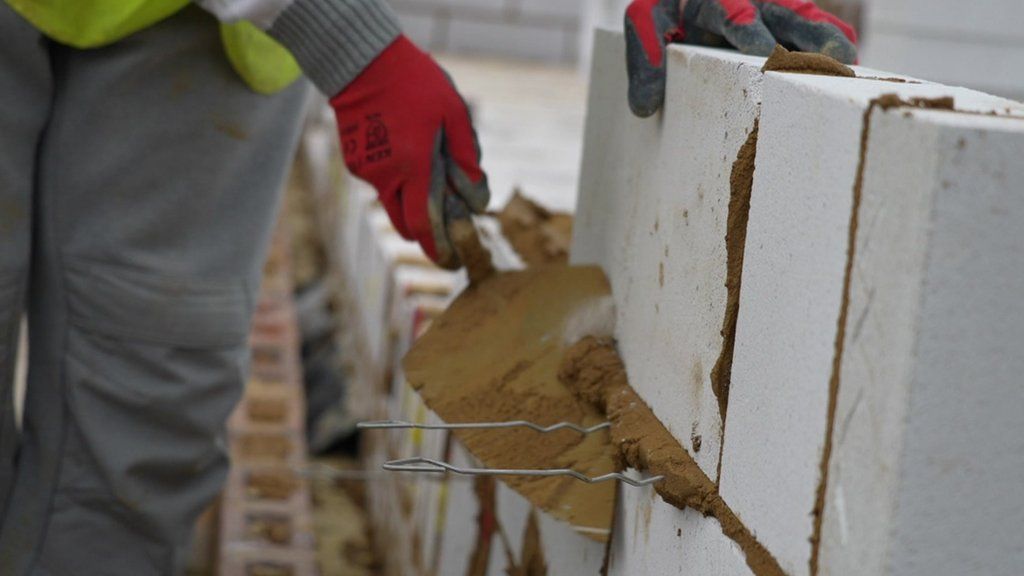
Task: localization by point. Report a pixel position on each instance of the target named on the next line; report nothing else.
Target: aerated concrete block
(928, 461)
(808, 156)
(653, 212)
(566, 552)
(459, 534)
(652, 537)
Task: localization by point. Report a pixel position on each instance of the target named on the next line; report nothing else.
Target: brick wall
(538, 30)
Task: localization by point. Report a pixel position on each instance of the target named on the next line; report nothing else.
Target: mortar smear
(594, 371)
(538, 235)
(741, 182)
(783, 60)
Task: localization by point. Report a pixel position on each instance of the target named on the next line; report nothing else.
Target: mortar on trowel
(493, 356)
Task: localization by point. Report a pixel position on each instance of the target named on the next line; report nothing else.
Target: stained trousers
(139, 183)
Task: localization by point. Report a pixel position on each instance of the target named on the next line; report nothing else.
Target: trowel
(493, 357)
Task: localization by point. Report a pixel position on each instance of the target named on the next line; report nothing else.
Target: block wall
(878, 248)
(868, 423)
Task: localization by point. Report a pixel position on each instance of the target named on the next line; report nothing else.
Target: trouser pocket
(154, 366)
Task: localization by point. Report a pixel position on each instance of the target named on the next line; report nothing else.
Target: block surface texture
(653, 210)
(932, 369)
(809, 155)
(877, 356)
(653, 213)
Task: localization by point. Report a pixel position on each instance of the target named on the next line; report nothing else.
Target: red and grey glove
(752, 26)
(405, 130)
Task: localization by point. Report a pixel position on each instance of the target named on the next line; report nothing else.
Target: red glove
(752, 26)
(405, 130)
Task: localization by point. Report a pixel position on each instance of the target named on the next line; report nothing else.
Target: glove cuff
(334, 40)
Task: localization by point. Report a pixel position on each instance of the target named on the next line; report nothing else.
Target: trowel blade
(494, 356)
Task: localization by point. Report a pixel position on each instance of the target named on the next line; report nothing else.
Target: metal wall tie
(399, 424)
(420, 464)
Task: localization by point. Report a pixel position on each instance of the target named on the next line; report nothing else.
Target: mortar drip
(593, 370)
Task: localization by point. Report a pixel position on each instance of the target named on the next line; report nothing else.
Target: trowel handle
(466, 240)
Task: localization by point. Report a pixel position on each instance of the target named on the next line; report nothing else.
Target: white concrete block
(513, 512)
(566, 552)
(807, 157)
(653, 209)
(794, 268)
(652, 537)
(928, 461)
(460, 529)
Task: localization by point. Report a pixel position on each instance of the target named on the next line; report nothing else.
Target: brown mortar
(593, 369)
(889, 101)
(538, 235)
(783, 60)
(741, 182)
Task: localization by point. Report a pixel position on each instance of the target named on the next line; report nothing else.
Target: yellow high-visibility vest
(261, 61)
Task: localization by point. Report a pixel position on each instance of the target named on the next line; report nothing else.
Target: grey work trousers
(138, 188)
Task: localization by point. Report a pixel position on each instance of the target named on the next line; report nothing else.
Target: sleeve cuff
(334, 40)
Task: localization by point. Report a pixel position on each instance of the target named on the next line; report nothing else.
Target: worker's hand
(752, 26)
(405, 130)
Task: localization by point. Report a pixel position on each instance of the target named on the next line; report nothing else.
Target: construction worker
(143, 146)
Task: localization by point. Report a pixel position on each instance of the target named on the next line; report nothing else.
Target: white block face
(933, 369)
(653, 209)
(794, 267)
(958, 474)
(652, 537)
(459, 533)
(895, 205)
(807, 156)
(566, 552)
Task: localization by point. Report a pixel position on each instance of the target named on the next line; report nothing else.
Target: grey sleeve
(334, 40)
